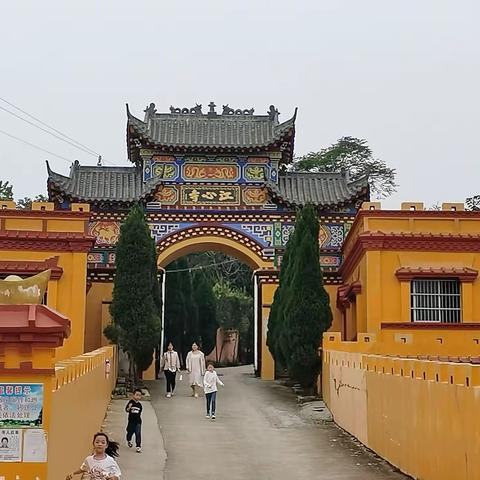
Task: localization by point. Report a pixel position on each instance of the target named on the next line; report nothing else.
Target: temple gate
(209, 181)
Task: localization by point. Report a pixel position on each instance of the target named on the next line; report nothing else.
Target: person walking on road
(210, 387)
(134, 409)
(170, 364)
(196, 368)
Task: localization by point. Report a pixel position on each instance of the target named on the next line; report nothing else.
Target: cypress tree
(175, 305)
(191, 332)
(207, 316)
(134, 311)
(275, 319)
(306, 312)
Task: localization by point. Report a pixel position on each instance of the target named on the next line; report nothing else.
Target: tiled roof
(124, 184)
(321, 189)
(211, 130)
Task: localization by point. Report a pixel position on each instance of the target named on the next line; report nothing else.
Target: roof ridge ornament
(212, 111)
(227, 110)
(74, 166)
(273, 113)
(196, 110)
(150, 112)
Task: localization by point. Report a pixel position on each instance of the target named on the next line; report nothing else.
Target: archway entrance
(217, 238)
(209, 180)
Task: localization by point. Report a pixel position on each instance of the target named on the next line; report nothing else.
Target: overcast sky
(404, 75)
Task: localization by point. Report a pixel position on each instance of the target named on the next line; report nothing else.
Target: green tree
(306, 308)
(133, 309)
(219, 267)
(6, 191)
(204, 298)
(275, 319)
(235, 312)
(181, 312)
(175, 305)
(352, 155)
(26, 202)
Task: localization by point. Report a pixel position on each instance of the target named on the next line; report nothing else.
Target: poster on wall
(10, 445)
(35, 445)
(21, 405)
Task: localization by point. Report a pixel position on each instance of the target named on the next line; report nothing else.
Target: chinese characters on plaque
(21, 419)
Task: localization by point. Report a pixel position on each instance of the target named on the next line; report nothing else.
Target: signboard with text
(21, 405)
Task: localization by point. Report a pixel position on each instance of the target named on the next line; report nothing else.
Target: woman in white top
(170, 364)
(196, 368)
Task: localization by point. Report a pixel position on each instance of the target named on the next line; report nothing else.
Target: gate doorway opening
(209, 300)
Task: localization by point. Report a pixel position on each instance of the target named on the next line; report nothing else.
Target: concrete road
(259, 433)
(148, 465)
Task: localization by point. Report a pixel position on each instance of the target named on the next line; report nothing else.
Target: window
(435, 300)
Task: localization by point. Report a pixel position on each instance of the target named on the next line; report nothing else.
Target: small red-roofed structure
(33, 324)
(28, 328)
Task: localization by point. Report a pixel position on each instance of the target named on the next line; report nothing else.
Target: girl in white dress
(196, 368)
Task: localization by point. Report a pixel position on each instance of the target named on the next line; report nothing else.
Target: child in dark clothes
(134, 425)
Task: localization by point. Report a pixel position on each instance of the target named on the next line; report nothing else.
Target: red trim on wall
(407, 241)
(46, 241)
(361, 214)
(347, 293)
(429, 326)
(44, 213)
(25, 368)
(419, 213)
(463, 274)
(25, 267)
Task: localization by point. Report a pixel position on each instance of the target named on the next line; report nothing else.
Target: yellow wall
(267, 292)
(98, 317)
(80, 399)
(384, 298)
(337, 320)
(30, 470)
(409, 392)
(422, 418)
(76, 395)
(66, 295)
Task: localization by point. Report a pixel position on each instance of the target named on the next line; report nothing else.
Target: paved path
(259, 433)
(148, 465)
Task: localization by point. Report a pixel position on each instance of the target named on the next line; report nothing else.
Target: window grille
(435, 300)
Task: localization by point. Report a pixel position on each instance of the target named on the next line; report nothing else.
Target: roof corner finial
(74, 166)
(212, 111)
(99, 161)
(150, 112)
(273, 114)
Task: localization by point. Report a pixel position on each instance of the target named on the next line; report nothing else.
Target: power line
(200, 267)
(69, 140)
(35, 146)
(46, 131)
(91, 151)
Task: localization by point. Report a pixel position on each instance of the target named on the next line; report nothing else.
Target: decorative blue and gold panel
(220, 169)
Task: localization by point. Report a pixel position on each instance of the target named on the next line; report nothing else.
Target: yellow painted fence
(75, 401)
(79, 402)
(421, 415)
